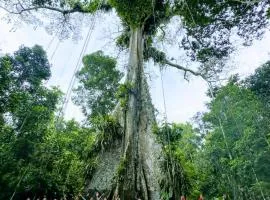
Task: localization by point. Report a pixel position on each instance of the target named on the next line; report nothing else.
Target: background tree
(235, 145)
(258, 82)
(27, 107)
(36, 158)
(98, 83)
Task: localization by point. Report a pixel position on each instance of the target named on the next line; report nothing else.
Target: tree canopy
(98, 83)
(207, 25)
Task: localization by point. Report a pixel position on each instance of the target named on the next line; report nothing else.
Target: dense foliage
(228, 155)
(180, 144)
(27, 109)
(235, 154)
(98, 83)
(40, 153)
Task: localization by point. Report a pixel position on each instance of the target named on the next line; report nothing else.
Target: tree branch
(248, 2)
(184, 69)
(160, 57)
(63, 11)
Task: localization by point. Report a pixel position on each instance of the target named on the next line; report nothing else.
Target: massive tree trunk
(140, 149)
(141, 154)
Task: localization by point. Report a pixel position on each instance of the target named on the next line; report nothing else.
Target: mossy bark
(142, 154)
(141, 177)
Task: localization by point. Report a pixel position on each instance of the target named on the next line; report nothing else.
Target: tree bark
(140, 152)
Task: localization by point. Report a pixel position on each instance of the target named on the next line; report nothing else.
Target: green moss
(123, 94)
(121, 169)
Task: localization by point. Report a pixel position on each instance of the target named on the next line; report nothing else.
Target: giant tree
(207, 26)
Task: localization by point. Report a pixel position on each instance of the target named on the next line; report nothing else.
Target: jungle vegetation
(224, 154)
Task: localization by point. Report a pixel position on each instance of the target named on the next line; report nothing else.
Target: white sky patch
(247, 59)
(183, 99)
